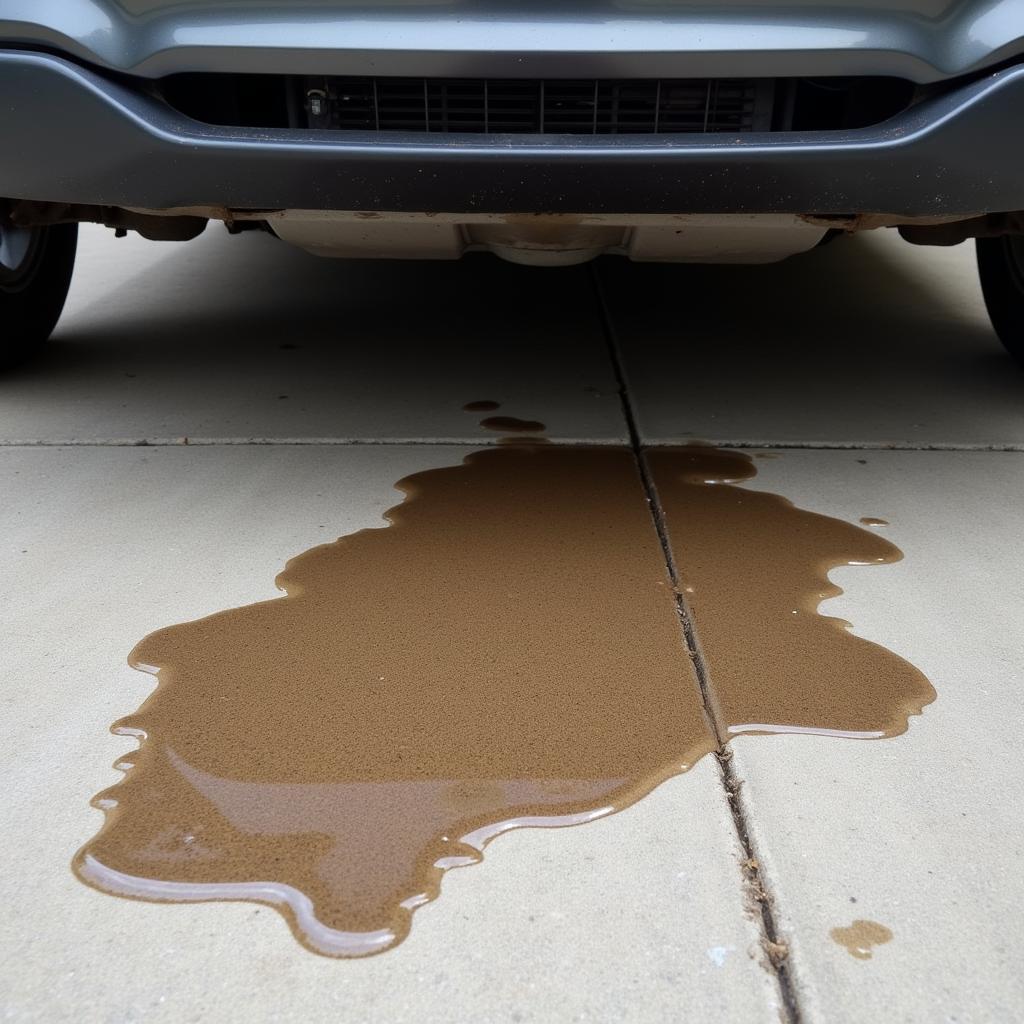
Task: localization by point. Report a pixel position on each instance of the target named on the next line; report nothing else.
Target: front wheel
(1001, 267)
(35, 274)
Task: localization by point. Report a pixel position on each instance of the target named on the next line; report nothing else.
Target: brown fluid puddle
(861, 937)
(873, 521)
(753, 570)
(505, 653)
(511, 423)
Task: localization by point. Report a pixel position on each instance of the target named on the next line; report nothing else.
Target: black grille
(548, 106)
(574, 107)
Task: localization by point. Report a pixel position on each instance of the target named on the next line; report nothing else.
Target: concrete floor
(305, 389)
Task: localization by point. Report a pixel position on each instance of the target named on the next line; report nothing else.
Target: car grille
(539, 106)
(594, 106)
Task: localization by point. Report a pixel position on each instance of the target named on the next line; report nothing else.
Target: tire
(1001, 268)
(35, 274)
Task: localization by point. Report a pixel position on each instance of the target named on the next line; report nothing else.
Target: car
(547, 133)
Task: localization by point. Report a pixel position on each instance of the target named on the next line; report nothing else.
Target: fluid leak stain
(505, 653)
(519, 441)
(754, 569)
(511, 424)
(485, 405)
(873, 521)
(860, 937)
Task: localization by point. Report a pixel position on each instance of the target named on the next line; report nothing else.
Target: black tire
(1001, 267)
(35, 276)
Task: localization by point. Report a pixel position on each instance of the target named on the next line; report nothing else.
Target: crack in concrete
(756, 888)
(840, 446)
(476, 442)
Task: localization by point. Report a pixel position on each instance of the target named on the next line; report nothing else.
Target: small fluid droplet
(511, 424)
(861, 937)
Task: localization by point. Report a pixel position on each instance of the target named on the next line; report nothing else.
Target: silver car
(546, 133)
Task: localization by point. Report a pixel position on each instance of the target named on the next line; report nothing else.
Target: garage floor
(207, 411)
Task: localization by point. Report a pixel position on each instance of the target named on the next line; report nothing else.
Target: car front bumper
(921, 40)
(74, 135)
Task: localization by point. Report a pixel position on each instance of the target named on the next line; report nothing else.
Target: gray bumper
(923, 40)
(71, 135)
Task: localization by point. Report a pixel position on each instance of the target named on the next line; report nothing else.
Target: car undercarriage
(545, 135)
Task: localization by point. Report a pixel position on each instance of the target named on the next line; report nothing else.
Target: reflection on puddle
(505, 653)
